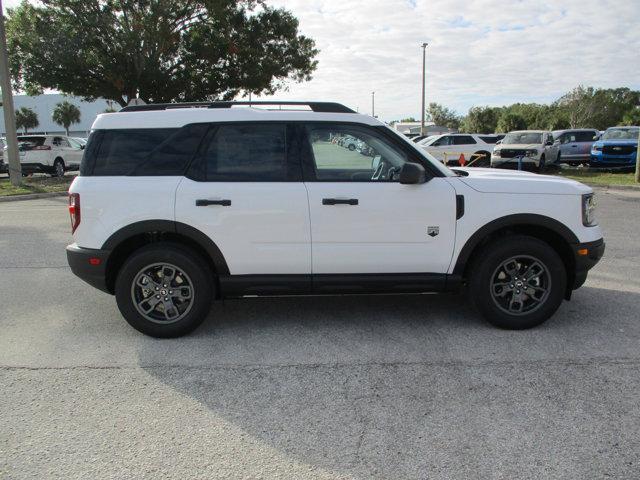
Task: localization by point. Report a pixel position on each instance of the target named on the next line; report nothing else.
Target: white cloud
(480, 52)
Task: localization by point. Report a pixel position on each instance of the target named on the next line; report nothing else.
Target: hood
(492, 180)
(519, 146)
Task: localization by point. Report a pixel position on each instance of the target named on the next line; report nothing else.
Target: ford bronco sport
(180, 204)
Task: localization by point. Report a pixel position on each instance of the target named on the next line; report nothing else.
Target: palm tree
(26, 119)
(66, 114)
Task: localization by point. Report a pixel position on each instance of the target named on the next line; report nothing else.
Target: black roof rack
(324, 107)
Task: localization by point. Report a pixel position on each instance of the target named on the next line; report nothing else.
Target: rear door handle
(340, 201)
(205, 203)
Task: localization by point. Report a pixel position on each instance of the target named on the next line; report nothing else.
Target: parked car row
(536, 149)
(52, 154)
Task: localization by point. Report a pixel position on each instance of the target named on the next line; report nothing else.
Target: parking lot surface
(338, 387)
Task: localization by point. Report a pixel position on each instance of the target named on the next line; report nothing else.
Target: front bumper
(89, 265)
(599, 159)
(512, 163)
(586, 256)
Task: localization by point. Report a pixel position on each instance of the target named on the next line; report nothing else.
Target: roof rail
(324, 107)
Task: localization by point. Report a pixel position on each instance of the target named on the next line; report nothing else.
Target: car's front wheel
(164, 290)
(517, 282)
(58, 168)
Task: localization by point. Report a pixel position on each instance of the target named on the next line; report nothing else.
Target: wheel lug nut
(166, 298)
(170, 292)
(511, 285)
(157, 296)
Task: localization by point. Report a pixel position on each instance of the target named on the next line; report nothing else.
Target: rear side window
(121, 151)
(463, 140)
(585, 136)
(173, 155)
(247, 153)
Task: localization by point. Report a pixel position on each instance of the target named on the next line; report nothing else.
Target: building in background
(43, 105)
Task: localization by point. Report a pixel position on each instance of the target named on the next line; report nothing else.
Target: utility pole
(15, 172)
(424, 79)
(373, 104)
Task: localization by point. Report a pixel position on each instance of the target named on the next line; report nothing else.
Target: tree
(66, 114)
(481, 120)
(26, 119)
(443, 116)
(510, 121)
(157, 50)
(588, 107)
(632, 117)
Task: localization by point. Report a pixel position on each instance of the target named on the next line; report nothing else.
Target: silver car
(574, 146)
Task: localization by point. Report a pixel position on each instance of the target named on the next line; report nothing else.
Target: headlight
(531, 153)
(597, 148)
(588, 210)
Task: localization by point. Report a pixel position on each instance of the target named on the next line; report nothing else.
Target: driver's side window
(345, 153)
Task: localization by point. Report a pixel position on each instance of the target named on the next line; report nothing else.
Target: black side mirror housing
(549, 143)
(412, 173)
(82, 147)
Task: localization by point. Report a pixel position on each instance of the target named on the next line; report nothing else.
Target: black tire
(191, 272)
(484, 161)
(541, 165)
(484, 280)
(351, 147)
(58, 168)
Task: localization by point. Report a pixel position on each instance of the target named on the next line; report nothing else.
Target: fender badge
(433, 231)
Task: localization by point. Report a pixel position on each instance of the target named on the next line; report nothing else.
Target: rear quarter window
(141, 152)
(488, 139)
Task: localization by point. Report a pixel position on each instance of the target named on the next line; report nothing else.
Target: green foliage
(26, 119)
(66, 114)
(586, 107)
(632, 117)
(157, 50)
(510, 121)
(443, 116)
(481, 120)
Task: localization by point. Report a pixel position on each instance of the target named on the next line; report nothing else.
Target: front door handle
(340, 201)
(205, 203)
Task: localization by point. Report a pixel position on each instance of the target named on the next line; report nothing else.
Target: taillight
(74, 210)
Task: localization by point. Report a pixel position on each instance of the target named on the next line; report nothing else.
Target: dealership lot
(337, 387)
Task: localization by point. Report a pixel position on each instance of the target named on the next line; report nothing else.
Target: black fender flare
(516, 220)
(170, 226)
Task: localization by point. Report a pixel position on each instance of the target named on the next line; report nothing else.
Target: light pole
(15, 172)
(373, 104)
(424, 74)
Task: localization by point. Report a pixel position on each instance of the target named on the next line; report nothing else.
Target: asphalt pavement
(407, 387)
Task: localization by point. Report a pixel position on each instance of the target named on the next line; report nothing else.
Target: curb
(614, 187)
(31, 196)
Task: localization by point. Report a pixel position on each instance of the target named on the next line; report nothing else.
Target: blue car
(616, 148)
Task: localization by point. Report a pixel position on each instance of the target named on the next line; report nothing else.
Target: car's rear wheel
(483, 159)
(164, 290)
(58, 168)
(351, 147)
(517, 282)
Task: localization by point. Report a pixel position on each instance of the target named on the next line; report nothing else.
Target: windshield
(621, 133)
(522, 138)
(430, 158)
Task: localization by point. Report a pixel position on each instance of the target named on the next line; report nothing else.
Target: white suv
(448, 148)
(177, 205)
(53, 154)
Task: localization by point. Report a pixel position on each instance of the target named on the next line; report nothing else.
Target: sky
(481, 52)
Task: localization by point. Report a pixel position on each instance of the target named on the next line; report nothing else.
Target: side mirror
(82, 147)
(549, 143)
(412, 173)
(498, 142)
